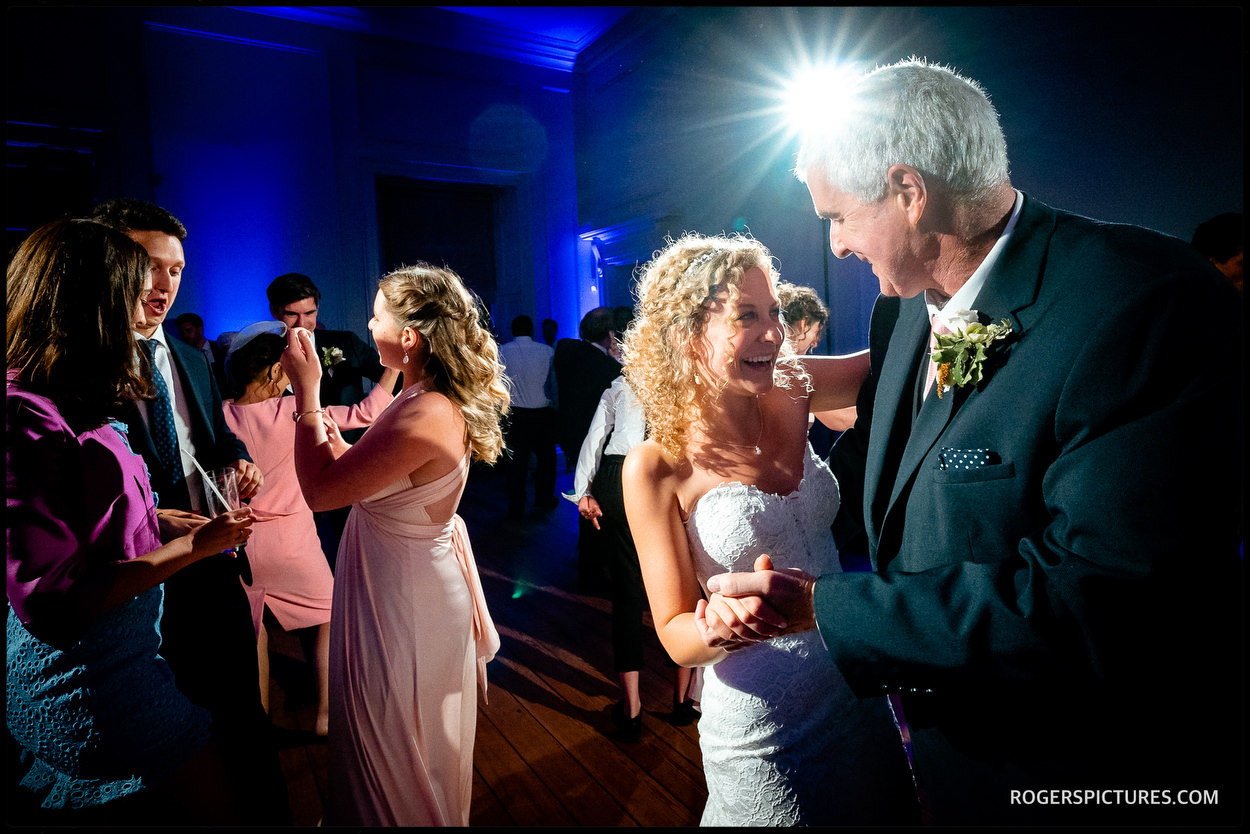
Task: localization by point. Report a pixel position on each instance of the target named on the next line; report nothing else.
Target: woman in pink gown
(290, 573)
(410, 632)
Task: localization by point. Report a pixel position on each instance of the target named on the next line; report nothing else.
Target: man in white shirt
(531, 423)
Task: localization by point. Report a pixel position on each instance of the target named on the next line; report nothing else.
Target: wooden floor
(545, 752)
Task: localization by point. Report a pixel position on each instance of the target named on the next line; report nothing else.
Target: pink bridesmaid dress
(409, 637)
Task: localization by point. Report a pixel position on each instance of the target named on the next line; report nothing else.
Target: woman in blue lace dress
(98, 732)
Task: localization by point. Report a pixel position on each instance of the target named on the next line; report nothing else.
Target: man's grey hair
(911, 113)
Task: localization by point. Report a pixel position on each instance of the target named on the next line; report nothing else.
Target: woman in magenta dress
(410, 632)
(104, 736)
(290, 573)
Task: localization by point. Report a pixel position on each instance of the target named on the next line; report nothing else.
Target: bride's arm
(835, 379)
(664, 555)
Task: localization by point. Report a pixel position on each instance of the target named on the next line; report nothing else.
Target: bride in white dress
(725, 475)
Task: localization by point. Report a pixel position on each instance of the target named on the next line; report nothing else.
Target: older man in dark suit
(206, 625)
(1054, 517)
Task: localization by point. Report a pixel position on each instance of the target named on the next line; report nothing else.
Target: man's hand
(588, 508)
(757, 606)
(250, 479)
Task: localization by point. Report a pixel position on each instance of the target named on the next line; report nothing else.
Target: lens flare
(815, 96)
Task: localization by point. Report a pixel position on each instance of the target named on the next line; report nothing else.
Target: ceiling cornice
(433, 26)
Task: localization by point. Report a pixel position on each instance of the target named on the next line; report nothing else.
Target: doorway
(443, 224)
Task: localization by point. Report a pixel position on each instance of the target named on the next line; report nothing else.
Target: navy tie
(164, 435)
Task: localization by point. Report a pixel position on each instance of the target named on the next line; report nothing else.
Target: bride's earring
(405, 359)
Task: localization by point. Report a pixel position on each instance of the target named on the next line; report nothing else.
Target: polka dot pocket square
(967, 458)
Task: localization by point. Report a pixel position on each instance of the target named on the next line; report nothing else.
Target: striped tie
(164, 435)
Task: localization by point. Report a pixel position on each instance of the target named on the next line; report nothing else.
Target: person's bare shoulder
(649, 463)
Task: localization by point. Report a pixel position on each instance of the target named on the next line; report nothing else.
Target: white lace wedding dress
(784, 740)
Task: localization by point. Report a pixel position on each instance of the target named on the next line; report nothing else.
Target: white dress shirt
(618, 426)
(182, 412)
(965, 297)
(527, 365)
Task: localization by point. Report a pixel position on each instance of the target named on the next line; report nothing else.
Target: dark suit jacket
(207, 635)
(583, 373)
(1059, 616)
(344, 384)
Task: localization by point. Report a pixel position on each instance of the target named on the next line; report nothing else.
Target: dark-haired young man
(206, 627)
(347, 359)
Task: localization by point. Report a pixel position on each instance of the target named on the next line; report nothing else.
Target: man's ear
(907, 188)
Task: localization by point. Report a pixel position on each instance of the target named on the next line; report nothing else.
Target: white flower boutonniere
(331, 356)
(961, 354)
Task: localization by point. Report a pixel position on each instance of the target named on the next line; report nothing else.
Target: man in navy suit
(294, 299)
(1054, 534)
(207, 635)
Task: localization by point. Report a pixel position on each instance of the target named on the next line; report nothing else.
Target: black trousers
(208, 639)
(531, 430)
(629, 599)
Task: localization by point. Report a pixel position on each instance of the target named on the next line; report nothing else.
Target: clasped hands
(746, 608)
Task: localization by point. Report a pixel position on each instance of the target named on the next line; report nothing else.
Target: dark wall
(1126, 114)
(266, 133)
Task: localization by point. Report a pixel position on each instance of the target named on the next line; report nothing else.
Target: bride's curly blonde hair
(463, 362)
(662, 347)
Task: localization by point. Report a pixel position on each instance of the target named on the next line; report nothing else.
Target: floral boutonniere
(961, 354)
(331, 356)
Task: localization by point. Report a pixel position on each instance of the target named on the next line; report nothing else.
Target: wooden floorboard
(547, 753)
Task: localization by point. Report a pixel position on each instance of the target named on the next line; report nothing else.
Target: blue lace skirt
(101, 719)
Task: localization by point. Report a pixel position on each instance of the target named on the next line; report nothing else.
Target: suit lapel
(934, 416)
(193, 368)
(891, 418)
(1009, 293)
